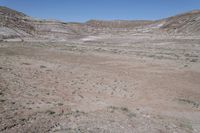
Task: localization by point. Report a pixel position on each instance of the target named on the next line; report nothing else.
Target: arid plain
(105, 78)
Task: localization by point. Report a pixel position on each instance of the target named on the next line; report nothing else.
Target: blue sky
(83, 10)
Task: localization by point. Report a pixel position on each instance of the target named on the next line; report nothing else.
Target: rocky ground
(105, 83)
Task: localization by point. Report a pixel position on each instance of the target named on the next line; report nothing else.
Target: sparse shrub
(189, 102)
(60, 104)
(194, 60)
(124, 109)
(2, 100)
(41, 66)
(25, 63)
(131, 115)
(186, 125)
(187, 55)
(50, 112)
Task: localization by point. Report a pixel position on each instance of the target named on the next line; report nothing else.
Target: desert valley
(114, 76)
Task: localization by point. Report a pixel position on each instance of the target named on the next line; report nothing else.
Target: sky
(84, 10)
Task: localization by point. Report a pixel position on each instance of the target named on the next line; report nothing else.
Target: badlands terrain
(99, 76)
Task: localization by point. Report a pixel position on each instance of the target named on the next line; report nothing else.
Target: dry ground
(136, 85)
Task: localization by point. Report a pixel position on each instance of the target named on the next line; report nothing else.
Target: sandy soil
(100, 84)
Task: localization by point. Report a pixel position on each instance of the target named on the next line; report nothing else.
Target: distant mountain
(14, 24)
(118, 23)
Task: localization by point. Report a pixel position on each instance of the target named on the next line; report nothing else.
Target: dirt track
(144, 86)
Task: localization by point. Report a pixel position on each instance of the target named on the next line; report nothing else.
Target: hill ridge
(15, 24)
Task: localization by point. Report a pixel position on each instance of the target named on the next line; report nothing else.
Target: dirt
(106, 84)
